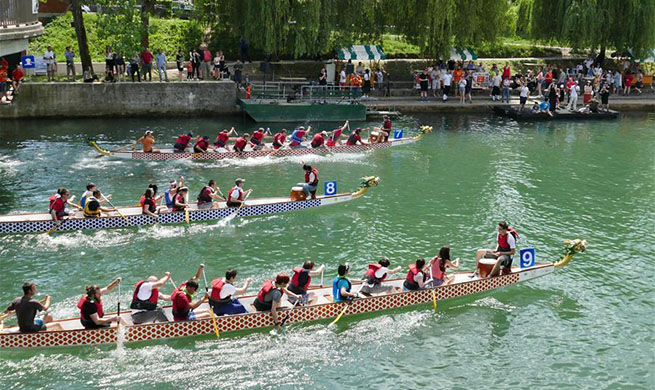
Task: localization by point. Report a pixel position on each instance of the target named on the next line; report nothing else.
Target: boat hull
(561, 114)
(255, 320)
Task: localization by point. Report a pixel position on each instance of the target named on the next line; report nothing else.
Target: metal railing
(16, 12)
(332, 93)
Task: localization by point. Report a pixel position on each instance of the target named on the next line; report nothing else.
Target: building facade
(18, 24)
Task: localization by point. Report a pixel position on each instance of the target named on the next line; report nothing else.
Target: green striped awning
(361, 52)
(462, 54)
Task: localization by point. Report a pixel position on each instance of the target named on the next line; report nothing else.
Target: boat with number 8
(375, 142)
(133, 216)
(464, 284)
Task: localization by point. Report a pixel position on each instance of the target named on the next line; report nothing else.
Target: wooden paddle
(186, 209)
(342, 313)
(116, 209)
(289, 313)
(434, 301)
(118, 312)
(52, 229)
(211, 310)
(233, 215)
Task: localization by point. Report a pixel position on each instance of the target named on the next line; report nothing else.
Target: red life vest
(56, 203)
(217, 285)
(297, 136)
(149, 304)
(222, 138)
(183, 140)
(318, 140)
(178, 199)
(257, 137)
(205, 195)
(334, 138)
(240, 144)
(278, 140)
(370, 274)
(295, 280)
(180, 305)
(86, 299)
(354, 137)
(152, 205)
(503, 243)
(267, 287)
(413, 271)
(315, 172)
(229, 194)
(202, 143)
(387, 124)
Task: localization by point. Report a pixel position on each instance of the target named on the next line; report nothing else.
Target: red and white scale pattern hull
(462, 286)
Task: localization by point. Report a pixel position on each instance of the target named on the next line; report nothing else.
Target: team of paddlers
(221, 293)
(322, 139)
(175, 198)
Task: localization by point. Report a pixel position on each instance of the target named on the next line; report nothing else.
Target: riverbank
(215, 98)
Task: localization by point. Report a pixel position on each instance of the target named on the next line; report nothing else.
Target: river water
(587, 326)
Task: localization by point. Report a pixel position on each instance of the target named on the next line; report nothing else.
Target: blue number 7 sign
(398, 134)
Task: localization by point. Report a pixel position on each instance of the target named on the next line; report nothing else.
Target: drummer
(386, 128)
(26, 308)
(375, 275)
(311, 181)
(503, 253)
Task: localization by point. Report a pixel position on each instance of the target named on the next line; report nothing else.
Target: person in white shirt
(573, 97)
(145, 298)
(375, 275)
(342, 78)
(416, 277)
(222, 295)
(51, 66)
(504, 251)
(447, 79)
(495, 87)
(435, 74)
(523, 96)
(379, 78)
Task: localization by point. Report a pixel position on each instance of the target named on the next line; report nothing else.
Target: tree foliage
(619, 24)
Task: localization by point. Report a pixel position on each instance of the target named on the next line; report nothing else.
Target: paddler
(270, 296)
(386, 128)
(179, 202)
(147, 141)
(222, 138)
(375, 275)
(257, 139)
(297, 137)
(300, 281)
(311, 181)
(145, 298)
(504, 252)
(182, 298)
(92, 315)
(223, 292)
(236, 194)
(169, 194)
(333, 140)
(241, 143)
(279, 139)
(149, 204)
(438, 265)
(207, 195)
(90, 187)
(92, 208)
(416, 277)
(341, 285)
(58, 202)
(319, 139)
(355, 137)
(26, 308)
(202, 144)
(182, 142)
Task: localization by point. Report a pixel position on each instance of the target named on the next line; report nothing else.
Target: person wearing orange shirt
(147, 140)
(457, 76)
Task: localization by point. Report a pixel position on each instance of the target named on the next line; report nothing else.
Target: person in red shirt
(241, 143)
(17, 76)
(202, 144)
(146, 59)
(58, 204)
(182, 298)
(182, 142)
(355, 137)
(223, 138)
(333, 140)
(279, 139)
(257, 139)
(319, 139)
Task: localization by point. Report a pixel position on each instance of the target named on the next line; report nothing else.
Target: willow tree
(619, 24)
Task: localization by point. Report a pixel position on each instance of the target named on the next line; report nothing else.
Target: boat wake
(492, 303)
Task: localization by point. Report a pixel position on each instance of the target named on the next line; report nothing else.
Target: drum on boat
(485, 266)
(297, 194)
(374, 137)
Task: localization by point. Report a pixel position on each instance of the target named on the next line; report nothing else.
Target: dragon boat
(464, 284)
(133, 216)
(268, 151)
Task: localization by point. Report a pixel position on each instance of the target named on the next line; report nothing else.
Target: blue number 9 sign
(398, 134)
(331, 187)
(527, 258)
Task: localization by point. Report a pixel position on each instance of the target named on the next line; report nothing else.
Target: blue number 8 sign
(331, 187)
(527, 258)
(398, 134)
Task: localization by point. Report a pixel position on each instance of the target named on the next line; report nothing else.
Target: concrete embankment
(42, 100)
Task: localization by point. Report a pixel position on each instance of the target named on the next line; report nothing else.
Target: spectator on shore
(343, 78)
(540, 82)
(379, 79)
(523, 96)
(50, 63)
(435, 75)
(238, 69)
(573, 96)
(17, 77)
(221, 65)
(322, 77)
(507, 71)
(161, 65)
(205, 67)
(462, 89)
(196, 60)
(366, 85)
(189, 71)
(179, 63)
(423, 80)
(70, 62)
(639, 83)
(552, 97)
(109, 59)
(88, 76)
(350, 67)
(469, 86)
(604, 96)
(588, 89)
(134, 67)
(360, 69)
(457, 76)
(617, 82)
(495, 87)
(447, 80)
(243, 50)
(146, 61)
(119, 63)
(4, 72)
(506, 84)
(217, 65)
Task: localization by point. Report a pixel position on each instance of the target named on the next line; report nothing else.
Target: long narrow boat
(132, 216)
(169, 154)
(464, 284)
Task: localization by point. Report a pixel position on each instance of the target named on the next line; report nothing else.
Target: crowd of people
(222, 293)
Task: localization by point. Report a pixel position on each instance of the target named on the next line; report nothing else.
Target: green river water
(588, 326)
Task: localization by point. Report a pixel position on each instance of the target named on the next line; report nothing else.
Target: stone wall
(40, 100)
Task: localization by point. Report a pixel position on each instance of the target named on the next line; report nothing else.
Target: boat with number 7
(375, 142)
(324, 308)
(133, 216)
